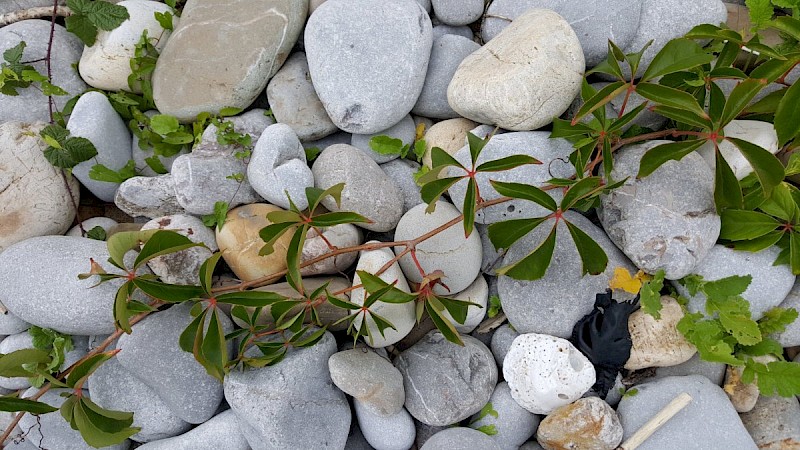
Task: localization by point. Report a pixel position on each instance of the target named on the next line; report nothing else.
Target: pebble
(457, 256)
(513, 424)
(791, 336)
(221, 431)
(402, 172)
(657, 342)
(553, 304)
(442, 29)
(394, 432)
(240, 243)
(450, 135)
(447, 53)
(460, 438)
(455, 12)
(774, 422)
(594, 22)
(478, 293)
(371, 379)
(546, 372)
(95, 119)
(383, 47)
(106, 64)
(11, 324)
(501, 342)
(553, 154)
(708, 421)
(148, 197)
(694, 366)
(277, 170)
(294, 101)
(340, 137)
(103, 222)
(248, 42)
(769, 286)
(544, 81)
(275, 404)
(445, 383)
(762, 134)
(182, 267)
(588, 423)
(30, 105)
(666, 220)
(405, 130)
(743, 396)
(340, 236)
(401, 315)
(368, 190)
(34, 196)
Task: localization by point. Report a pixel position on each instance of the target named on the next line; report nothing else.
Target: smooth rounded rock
(442, 29)
(148, 197)
(221, 431)
(371, 379)
(714, 371)
(182, 267)
(447, 53)
(762, 134)
(316, 245)
(502, 339)
(666, 220)
(11, 324)
(103, 222)
(402, 172)
(589, 423)
(394, 432)
(774, 422)
(449, 135)
(513, 424)
(478, 293)
(458, 257)
(546, 372)
(367, 191)
(383, 47)
(657, 342)
(34, 195)
(405, 130)
(524, 77)
(247, 41)
(445, 383)
(459, 438)
(457, 12)
(278, 169)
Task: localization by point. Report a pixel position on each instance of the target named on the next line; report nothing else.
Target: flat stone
(95, 119)
(554, 303)
(447, 53)
(553, 153)
(770, 284)
(340, 236)
(445, 383)
(774, 423)
(247, 40)
(39, 284)
(513, 424)
(368, 190)
(594, 22)
(666, 220)
(454, 12)
(405, 130)
(449, 135)
(657, 342)
(394, 432)
(538, 58)
(587, 423)
(30, 105)
(182, 267)
(221, 431)
(460, 438)
(762, 134)
(370, 379)
(278, 170)
(275, 404)
(148, 197)
(384, 48)
(546, 372)
(17, 5)
(402, 172)
(708, 421)
(106, 64)
(294, 101)
(34, 196)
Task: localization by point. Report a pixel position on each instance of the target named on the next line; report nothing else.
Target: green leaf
(81, 372)
(250, 298)
(707, 336)
(494, 306)
(218, 217)
(229, 111)
(734, 315)
(726, 287)
(739, 98)
(90, 425)
(593, 258)
(434, 308)
(525, 192)
(188, 337)
(386, 145)
(777, 377)
(164, 124)
(660, 154)
(49, 89)
(121, 243)
(458, 309)
(600, 99)
(787, 116)
(14, 404)
(214, 348)
(741, 225)
(206, 273)
(13, 55)
(161, 243)
(677, 55)
(337, 218)
(788, 25)
(431, 192)
(468, 210)
(293, 259)
(761, 12)
(507, 163)
(100, 172)
(794, 252)
(505, 233)
(766, 166)
(164, 19)
(97, 233)
(440, 158)
(312, 153)
(535, 264)
(419, 149)
(373, 283)
(121, 313)
(82, 27)
(727, 191)
(668, 96)
(767, 346)
(580, 190)
(650, 295)
(315, 195)
(270, 235)
(758, 244)
(476, 145)
(11, 364)
(170, 293)
(776, 320)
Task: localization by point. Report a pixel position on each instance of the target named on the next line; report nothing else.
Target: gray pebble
(148, 197)
(446, 54)
(278, 169)
(402, 171)
(405, 130)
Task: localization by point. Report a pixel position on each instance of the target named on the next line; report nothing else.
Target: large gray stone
(278, 170)
(275, 404)
(553, 153)
(368, 190)
(34, 195)
(791, 336)
(774, 423)
(30, 105)
(524, 77)
(221, 431)
(294, 101)
(709, 421)
(148, 197)
(223, 53)
(514, 424)
(460, 438)
(442, 29)
(383, 47)
(769, 286)
(594, 22)
(405, 130)
(444, 382)
(446, 54)
(96, 120)
(39, 284)
(552, 304)
(394, 432)
(667, 220)
(152, 354)
(369, 378)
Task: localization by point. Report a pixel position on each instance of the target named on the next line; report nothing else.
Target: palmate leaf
(525, 192)
(505, 233)
(677, 55)
(122, 314)
(668, 96)
(270, 235)
(250, 298)
(600, 99)
(206, 273)
(470, 204)
(170, 293)
(476, 145)
(431, 191)
(507, 163)
(338, 218)
(766, 166)
(744, 225)
(373, 283)
(659, 155)
(316, 195)
(293, 256)
(583, 189)
(214, 347)
(535, 264)
(739, 98)
(441, 158)
(564, 129)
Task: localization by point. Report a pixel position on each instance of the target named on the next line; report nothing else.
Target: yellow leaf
(623, 279)
(420, 131)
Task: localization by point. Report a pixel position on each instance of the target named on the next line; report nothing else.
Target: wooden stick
(647, 430)
(33, 13)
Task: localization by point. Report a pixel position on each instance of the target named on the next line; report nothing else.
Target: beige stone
(657, 343)
(240, 242)
(34, 200)
(743, 395)
(339, 236)
(449, 135)
(587, 424)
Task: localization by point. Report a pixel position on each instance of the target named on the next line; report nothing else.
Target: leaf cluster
(89, 17)
(15, 74)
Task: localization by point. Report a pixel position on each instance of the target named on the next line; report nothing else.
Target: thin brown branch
(34, 13)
